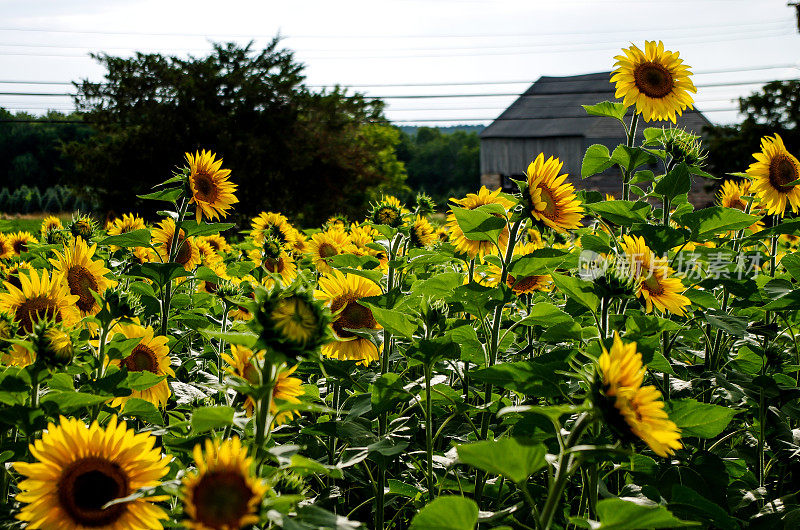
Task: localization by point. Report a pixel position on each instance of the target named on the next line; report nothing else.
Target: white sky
(401, 42)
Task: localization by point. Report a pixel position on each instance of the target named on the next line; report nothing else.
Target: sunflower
(17, 355)
(151, 355)
(82, 226)
(325, 245)
(275, 225)
(79, 469)
(217, 242)
(187, 254)
(6, 250)
(282, 266)
(730, 196)
(20, 242)
(295, 320)
(470, 202)
(211, 190)
(442, 234)
(39, 297)
(14, 270)
(654, 276)
(552, 201)
(128, 223)
(223, 493)
(341, 292)
(630, 409)
(656, 80)
(286, 389)
(772, 172)
(421, 233)
(388, 211)
(221, 272)
(50, 223)
(208, 256)
(82, 275)
(523, 285)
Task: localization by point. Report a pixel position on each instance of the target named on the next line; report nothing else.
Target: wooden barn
(548, 118)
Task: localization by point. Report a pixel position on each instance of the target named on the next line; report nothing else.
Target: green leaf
(619, 514)
(660, 238)
(596, 160)
(387, 391)
(692, 503)
(540, 261)
(397, 487)
(241, 338)
(396, 322)
(139, 408)
(629, 158)
(509, 457)
(702, 420)
(792, 264)
(735, 326)
(545, 314)
(68, 402)
(482, 223)
(208, 418)
(786, 227)
(142, 380)
(676, 182)
(168, 195)
(789, 301)
(623, 213)
(447, 513)
(134, 238)
(204, 229)
(160, 273)
(438, 286)
(607, 108)
(531, 378)
(579, 290)
(709, 222)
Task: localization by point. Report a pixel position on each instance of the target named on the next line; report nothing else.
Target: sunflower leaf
(168, 195)
(510, 457)
(209, 418)
(480, 224)
(596, 160)
(447, 512)
(134, 238)
(607, 108)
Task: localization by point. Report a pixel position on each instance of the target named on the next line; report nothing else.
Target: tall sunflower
(470, 202)
(211, 190)
(655, 80)
(82, 275)
(20, 242)
(223, 493)
(151, 355)
(342, 292)
(632, 410)
(772, 172)
(39, 296)
(552, 200)
(325, 245)
(187, 254)
(79, 469)
(128, 223)
(654, 277)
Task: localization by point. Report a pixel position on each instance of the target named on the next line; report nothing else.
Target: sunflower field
(542, 359)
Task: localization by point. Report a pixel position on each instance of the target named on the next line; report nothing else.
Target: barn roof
(552, 107)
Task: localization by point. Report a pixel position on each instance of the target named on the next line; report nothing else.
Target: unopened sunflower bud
(683, 146)
(434, 314)
(425, 204)
(83, 226)
(387, 211)
(53, 345)
(612, 276)
(228, 289)
(123, 304)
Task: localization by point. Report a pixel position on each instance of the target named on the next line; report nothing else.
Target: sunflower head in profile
(51, 223)
(12, 272)
(325, 245)
(772, 174)
(655, 80)
(39, 297)
(336, 221)
(388, 211)
(20, 242)
(123, 304)
(631, 410)
(549, 198)
(151, 354)
(291, 321)
(223, 493)
(186, 253)
(341, 293)
(425, 204)
(472, 201)
(208, 256)
(127, 223)
(70, 488)
(82, 275)
(656, 284)
(421, 233)
(82, 225)
(211, 190)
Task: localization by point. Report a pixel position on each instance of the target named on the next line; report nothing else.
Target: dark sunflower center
(550, 203)
(214, 244)
(204, 186)
(221, 499)
(34, 309)
(83, 228)
(653, 285)
(782, 171)
(387, 216)
(353, 316)
(326, 250)
(141, 359)
(184, 251)
(87, 485)
(653, 80)
(274, 265)
(524, 284)
(20, 246)
(82, 282)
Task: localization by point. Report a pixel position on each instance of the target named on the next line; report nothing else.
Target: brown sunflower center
(205, 188)
(221, 499)
(141, 359)
(549, 201)
(184, 255)
(653, 286)
(82, 282)
(524, 284)
(20, 245)
(34, 309)
(782, 171)
(352, 316)
(274, 265)
(326, 250)
(87, 485)
(653, 80)
(387, 215)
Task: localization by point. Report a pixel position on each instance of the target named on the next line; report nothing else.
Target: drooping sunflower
(630, 409)
(82, 275)
(223, 493)
(50, 223)
(656, 285)
(151, 355)
(273, 225)
(187, 253)
(772, 172)
(20, 242)
(39, 296)
(6, 250)
(470, 202)
(325, 245)
(655, 80)
(217, 242)
(730, 196)
(212, 192)
(421, 232)
(79, 469)
(342, 292)
(552, 200)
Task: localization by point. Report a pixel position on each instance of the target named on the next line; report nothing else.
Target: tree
(775, 109)
(306, 154)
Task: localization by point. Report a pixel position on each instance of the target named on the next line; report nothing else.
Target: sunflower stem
(626, 175)
(264, 419)
(429, 431)
(173, 250)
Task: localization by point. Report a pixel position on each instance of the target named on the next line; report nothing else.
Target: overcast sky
(409, 42)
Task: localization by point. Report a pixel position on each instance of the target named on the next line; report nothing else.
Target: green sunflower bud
(54, 347)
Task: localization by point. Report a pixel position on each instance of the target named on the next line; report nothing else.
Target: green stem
(604, 305)
(173, 250)
(263, 418)
(626, 176)
(429, 431)
(222, 342)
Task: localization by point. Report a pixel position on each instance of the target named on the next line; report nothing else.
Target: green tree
(773, 109)
(306, 154)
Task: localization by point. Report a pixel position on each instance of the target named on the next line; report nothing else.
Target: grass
(29, 223)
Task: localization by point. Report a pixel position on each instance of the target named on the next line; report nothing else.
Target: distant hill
(412, 130)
